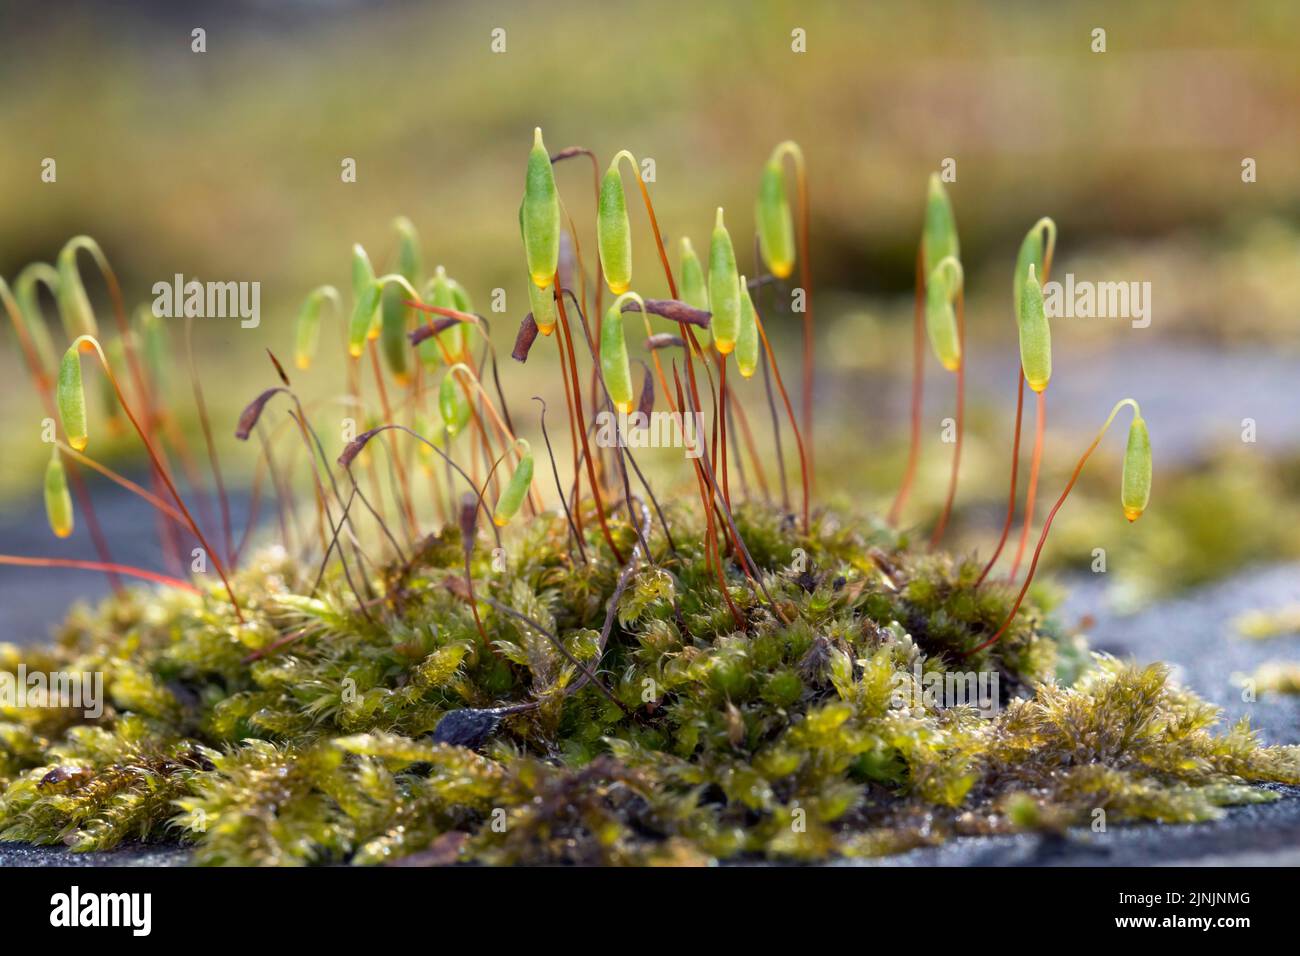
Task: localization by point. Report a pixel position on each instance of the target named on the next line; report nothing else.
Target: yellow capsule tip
(499, 521)
(624, 408)
(724, 348)
(303, 363)
(543, 280)
(1132, 514)
(546, 329)
(782, 270)
(79, 442)
(618, 288)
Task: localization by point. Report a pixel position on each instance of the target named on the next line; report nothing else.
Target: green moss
(304, 735)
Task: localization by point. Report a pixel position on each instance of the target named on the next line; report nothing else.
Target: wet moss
(307, 735)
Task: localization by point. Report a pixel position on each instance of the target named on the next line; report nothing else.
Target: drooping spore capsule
(694, 289)
(74, 305)
(539, 216)
(153, 336)
(1031, 253)
(724, 287)
(365, 315)
(71, 399)
(1035, 334)
(614, 231)
(394, 313)
(940, 319)
(747, 337)
(115, 354)
(614, 365)
(365, 296)
(939, 238)
(512, 495)
(307, 331)
(773, 219)
(453, 405)
(1135, 485)
(542, 302)
(26, 304)
(58, 503)
(441, 292)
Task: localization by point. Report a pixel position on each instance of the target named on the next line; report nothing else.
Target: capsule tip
(355, 350)
(717, 220)
(543, 280)
(545, 329)
(303, 362)
(1132, 514)
(724, 347)
(782, 269)
(537, 138)
(624, 408)
(618, 288)
(79, 442)
(499, 521)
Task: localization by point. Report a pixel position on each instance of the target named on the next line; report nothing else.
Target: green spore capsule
(364, 319)
(613, 230)
(694, 289)
(1034, 249)
(453, 404)
(940, 320)
(1135, 485)
(307, 328)
(394, 313)
(724, 288)
(441, 291)
(58, 503)
(542, 302)
(614, 365)
(27, 305)
(939, 238)
(773, 219)
(153, 337)
(71, 399)
(512, 495)
(365, 295)
(115, 355)
(1035, 334)
(747, 338)
(539, 216)
(74, 305)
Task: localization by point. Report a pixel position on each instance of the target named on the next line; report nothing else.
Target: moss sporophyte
(438, 639)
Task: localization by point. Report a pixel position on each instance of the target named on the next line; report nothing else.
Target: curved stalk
(83, 340)
(1047, 525)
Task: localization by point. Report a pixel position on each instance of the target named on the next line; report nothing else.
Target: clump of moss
(306, 734)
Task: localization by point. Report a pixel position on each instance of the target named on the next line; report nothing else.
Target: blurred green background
(226, 165)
